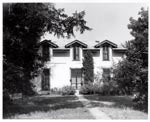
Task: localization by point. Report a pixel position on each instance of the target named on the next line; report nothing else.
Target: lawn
(47, 107)
(69, 107)
(117, 107)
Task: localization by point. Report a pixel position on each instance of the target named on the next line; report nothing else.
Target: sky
(107, 20)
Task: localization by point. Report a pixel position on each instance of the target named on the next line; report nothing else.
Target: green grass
(117, 107)
(47, 107)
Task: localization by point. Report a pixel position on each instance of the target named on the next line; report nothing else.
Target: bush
(101, 86)
(55, 91)
(68, 90)
(141, 90)
(105, 85)
(87, 89)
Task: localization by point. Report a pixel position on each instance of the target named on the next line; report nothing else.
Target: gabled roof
(106, 42)
(48, 42)
(76, 42)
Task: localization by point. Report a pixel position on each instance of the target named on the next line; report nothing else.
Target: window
(46, 53)
(105, 53)
(106, 73)
(76, 53)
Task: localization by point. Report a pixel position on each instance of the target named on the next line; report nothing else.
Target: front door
(46, 80)
(76, 78)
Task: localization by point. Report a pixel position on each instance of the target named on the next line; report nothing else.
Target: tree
(88, 68)
(138, 47)
(23, 25)
(124, 75)
(132, 73)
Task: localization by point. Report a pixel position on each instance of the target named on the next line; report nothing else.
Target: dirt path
(95, 111)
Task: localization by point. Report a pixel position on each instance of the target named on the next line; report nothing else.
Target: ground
(71, 107)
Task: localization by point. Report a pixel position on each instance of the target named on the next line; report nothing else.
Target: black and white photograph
(75, 60)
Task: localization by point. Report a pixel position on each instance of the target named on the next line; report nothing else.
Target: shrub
(55, 91)
(102, 87)
(141, 90)
(68, 90)
(105, 85)
(87, 89)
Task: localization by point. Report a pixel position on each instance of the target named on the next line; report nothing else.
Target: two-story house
(63, 66)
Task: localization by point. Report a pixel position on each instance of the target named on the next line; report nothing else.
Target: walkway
(95, 111)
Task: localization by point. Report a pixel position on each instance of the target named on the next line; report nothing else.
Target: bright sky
(108, 21)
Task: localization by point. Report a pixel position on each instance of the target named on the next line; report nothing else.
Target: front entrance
(46, 80)
(76, 78)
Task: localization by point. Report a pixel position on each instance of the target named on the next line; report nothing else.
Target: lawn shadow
(40, 104)
(110, 101)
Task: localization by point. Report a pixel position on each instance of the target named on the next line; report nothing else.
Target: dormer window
(106, 53)
(76, 54)
(46, 53)
(105, 46)
(46, 45)
(76, 45)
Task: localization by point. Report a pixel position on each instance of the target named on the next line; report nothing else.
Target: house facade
(63, 66)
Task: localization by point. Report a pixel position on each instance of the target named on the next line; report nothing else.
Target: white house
(62, 66)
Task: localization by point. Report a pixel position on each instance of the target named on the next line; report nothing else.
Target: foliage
(23, 25)
(68, 90)
(87, 89)
(88, 67)
(141, 89)
(131, 74)
(102, 87)
(124, 74)
(55, 91)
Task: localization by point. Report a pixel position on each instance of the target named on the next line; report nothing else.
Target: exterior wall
(99, 63)
(60, 66)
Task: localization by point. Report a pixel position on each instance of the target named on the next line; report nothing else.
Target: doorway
(46, 80)
(76, 78)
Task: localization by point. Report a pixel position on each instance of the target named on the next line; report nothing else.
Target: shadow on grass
(111, 101)
(41, 104)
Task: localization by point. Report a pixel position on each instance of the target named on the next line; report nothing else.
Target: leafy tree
(88, 68)
(138, 47)
(23, 25)
(132, 73)
(123, 74)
